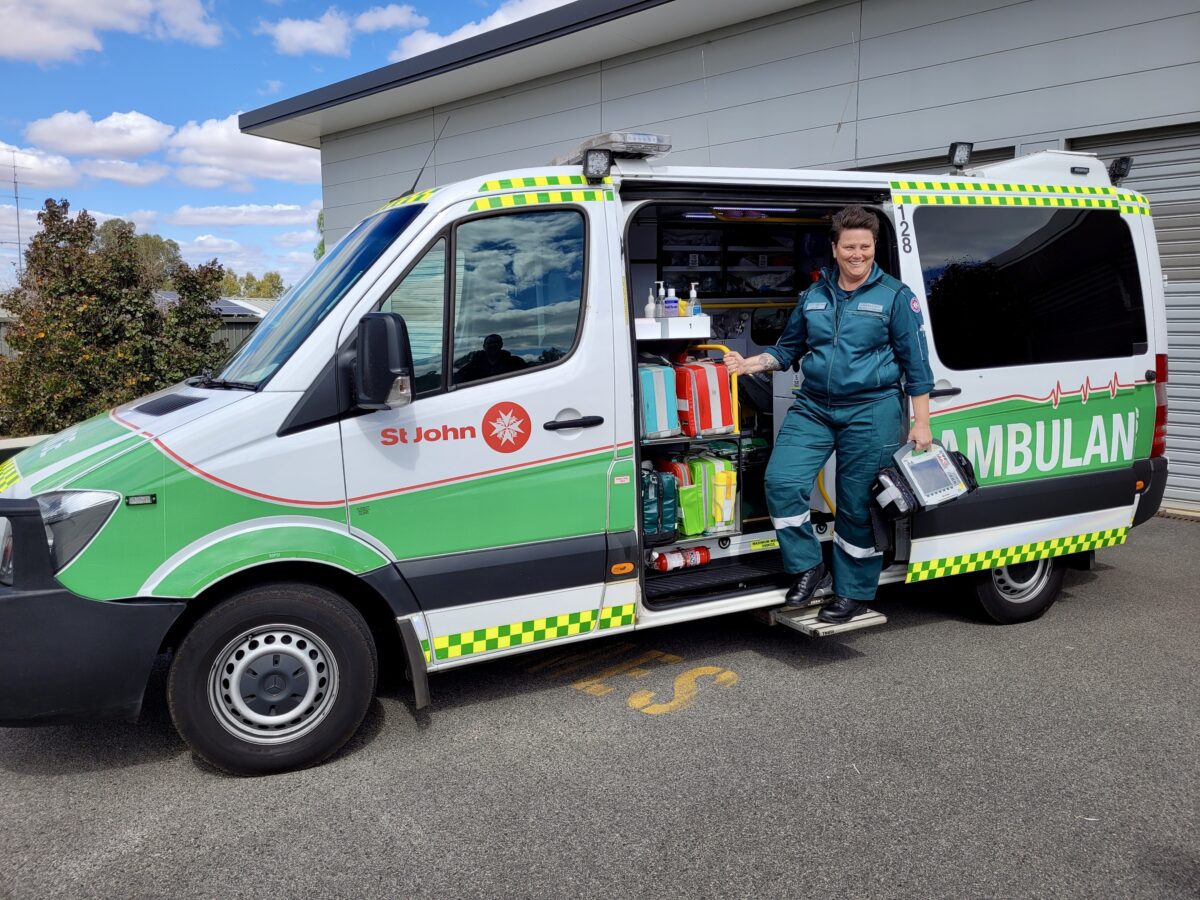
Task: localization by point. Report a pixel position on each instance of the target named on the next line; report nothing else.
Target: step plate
(805, 621)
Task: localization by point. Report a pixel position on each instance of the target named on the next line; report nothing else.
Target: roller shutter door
(1166, 168)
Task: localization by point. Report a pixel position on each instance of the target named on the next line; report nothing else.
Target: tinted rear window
(1010, 287)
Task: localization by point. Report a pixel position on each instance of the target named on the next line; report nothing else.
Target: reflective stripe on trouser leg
(804, 443)
(867, 436)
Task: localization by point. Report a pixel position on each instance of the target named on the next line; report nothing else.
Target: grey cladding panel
(1175, 41)
(664, 103)
(829, 146)
(396, 134)
(1072, 107)
(650, 73)
(1007, 28)
(386, 162)
(886, 17)
(783, 77)
(504, 108)
(521, 132)
(828, 106)
(808, 32)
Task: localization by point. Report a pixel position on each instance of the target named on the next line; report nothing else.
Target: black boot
(807, 584)
(841, 610)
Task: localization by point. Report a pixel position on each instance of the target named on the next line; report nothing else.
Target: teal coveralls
(856, 347)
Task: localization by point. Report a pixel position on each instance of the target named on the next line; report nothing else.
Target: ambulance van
(434, 449)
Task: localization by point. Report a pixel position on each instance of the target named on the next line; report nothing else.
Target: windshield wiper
(222, 384)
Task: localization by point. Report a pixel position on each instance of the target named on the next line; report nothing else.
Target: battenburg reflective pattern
(498, 637)
(508, 184)
(505, 201)
(419, 197)
(8, 475)
(985, 193)
(1008, 556)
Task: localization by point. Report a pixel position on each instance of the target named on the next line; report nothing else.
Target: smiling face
(854, 253)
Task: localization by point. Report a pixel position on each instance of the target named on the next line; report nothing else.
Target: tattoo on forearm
(769, 362)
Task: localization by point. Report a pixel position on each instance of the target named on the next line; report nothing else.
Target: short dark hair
(854, 217)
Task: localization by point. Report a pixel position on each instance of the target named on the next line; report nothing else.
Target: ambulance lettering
(389, 437)
(1054, 446)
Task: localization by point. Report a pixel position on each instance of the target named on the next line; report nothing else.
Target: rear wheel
(278, 677)
(1020, 592)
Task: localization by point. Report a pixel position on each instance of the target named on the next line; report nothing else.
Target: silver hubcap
(273, 684)
(1022, 582)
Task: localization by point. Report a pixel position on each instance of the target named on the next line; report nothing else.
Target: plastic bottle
(693, 301)
(651, 306)
(671, 304)
(660, 305)
(681, 559)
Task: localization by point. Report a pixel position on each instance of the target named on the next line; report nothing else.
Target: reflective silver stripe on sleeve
(856, 552)
(790, 521)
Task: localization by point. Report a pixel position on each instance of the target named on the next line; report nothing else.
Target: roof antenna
(430, 156)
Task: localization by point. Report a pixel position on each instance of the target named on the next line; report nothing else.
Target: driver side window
(420, 298)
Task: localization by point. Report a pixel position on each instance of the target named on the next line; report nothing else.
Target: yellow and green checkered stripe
(500, 637)
(535, 181)
(425, 648)
(419, 197)
(982, 193)
(1008, 556)
(8, 474)
(507, 201)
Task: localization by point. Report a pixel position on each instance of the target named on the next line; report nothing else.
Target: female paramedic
(860, 330)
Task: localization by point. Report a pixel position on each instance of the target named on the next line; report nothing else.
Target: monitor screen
(929, 474)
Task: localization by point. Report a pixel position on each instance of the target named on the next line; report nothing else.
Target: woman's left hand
(921, 435)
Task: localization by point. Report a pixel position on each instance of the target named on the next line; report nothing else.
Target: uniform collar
(829, 277)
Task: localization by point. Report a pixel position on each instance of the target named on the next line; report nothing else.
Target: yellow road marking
(595, 686)
(686, 688)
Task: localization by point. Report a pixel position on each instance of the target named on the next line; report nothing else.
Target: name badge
(871, 307)
(816, 304)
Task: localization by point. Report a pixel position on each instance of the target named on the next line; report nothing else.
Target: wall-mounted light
(1118, 169)
(960, 155)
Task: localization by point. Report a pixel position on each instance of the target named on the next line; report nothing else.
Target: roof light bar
(622, 145)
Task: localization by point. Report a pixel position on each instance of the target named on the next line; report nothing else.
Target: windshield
(306, 305)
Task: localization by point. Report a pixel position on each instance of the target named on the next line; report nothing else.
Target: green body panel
(86, 463)
(1019, 439)
(70, 442)
(268, 544)
(138, 539)
(558, 500)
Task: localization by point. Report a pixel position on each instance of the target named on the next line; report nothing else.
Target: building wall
(829, 84)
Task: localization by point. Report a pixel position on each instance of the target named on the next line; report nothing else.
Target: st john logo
(506, 427)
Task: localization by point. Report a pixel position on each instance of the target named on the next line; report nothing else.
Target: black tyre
(1020, 592)
(278, 677)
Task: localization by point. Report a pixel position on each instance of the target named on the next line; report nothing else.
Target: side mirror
(383, 369)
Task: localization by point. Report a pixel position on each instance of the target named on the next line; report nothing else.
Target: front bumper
(63, 656)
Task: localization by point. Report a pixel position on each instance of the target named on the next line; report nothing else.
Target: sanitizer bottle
(693, 301)
(671, 304)
(651, 309)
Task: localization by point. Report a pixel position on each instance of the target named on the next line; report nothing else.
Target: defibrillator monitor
(933, 474)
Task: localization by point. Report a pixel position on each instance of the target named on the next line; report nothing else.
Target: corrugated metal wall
(1166, 168)
(832, 83)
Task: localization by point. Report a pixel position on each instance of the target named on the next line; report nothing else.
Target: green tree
(319, 250)
(270, 286)
(157, 256)
(87, 331)
(230, 285)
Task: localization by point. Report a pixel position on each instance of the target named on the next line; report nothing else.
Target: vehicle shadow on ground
(97, 746)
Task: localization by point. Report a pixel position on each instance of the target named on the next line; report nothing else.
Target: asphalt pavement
(935, 756)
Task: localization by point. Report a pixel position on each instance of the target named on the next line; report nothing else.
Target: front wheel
(1021, 592)
(278, 677)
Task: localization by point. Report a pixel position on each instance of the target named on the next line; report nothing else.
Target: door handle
(944, 392)
(582, 422)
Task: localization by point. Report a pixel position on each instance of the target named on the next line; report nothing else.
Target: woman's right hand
(738, 364)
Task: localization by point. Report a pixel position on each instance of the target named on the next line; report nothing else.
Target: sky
(128, 108)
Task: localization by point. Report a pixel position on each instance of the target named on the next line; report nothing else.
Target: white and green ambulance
(429, 450)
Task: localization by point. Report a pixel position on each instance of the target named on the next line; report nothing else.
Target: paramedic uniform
(859, 345)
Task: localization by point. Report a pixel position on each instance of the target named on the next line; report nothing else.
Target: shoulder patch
(916, 307)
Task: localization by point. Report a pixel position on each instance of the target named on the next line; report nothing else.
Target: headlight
(72, 519)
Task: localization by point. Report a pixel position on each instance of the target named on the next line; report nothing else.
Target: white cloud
(45, 31)
(210, 243)
(36, 168)
(118, 135)
(509, 11)
(273, 86)
(329, 34)
(144, 219)
(246, 214)
(388, 18)
(215, 154)
(296, 238)
(124, 172)
(333, 33)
